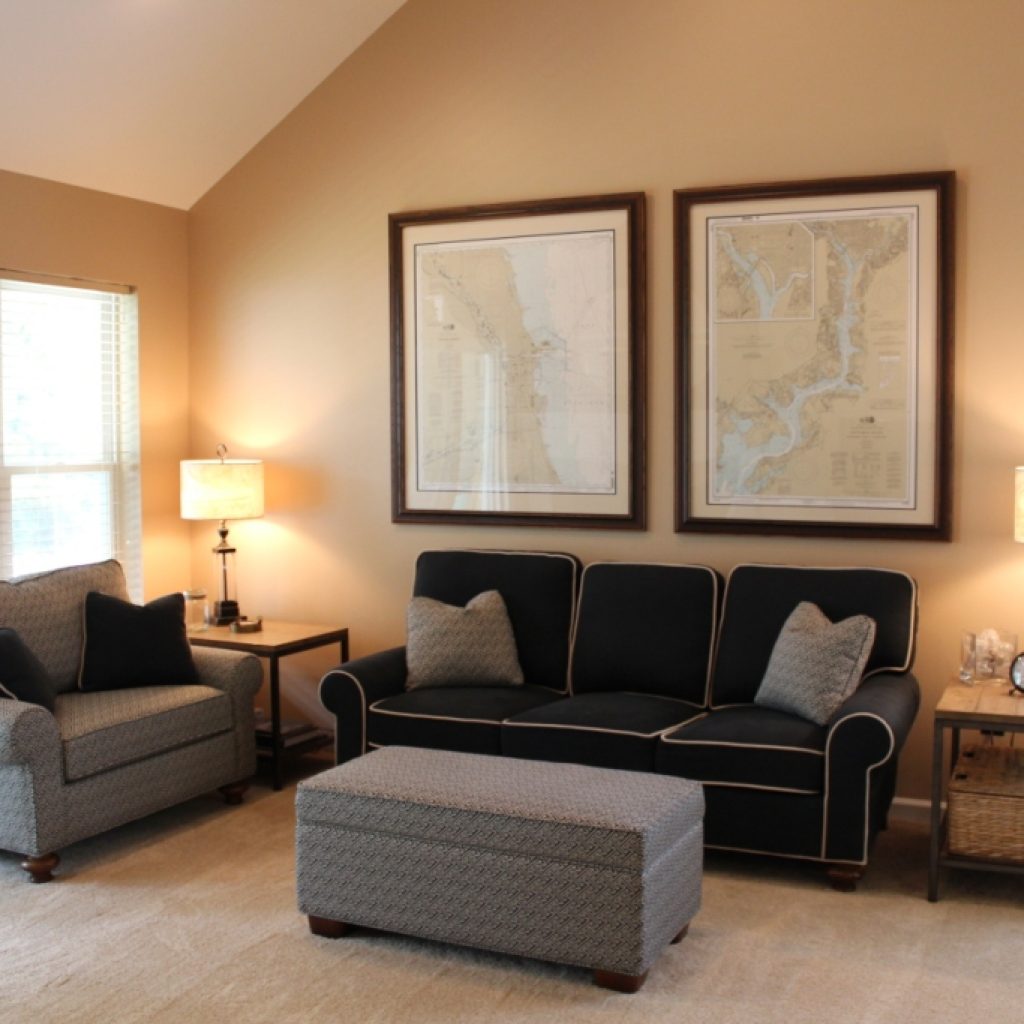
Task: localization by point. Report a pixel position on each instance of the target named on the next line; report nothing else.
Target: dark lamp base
(225, 612)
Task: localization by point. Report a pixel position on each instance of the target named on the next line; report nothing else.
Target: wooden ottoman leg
(40, 869)
(682, 934)
(628, 983)
(327, 928)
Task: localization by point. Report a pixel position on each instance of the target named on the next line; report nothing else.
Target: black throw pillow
(22, 676)
(135, 645)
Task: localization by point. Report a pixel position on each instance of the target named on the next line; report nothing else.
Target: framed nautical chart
(518, 334)
(814, 343)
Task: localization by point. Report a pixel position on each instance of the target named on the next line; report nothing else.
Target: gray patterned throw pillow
(816, 664)
(451, 646)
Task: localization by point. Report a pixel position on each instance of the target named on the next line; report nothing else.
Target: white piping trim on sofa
(374, 709)
(752, 746)
(867, 781)
(362, 701)
(721, 784)
(788, 856)
(587, 728)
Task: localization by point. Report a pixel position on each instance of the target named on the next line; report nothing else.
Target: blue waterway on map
(738, 461)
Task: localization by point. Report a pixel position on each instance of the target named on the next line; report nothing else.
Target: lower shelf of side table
(294, 738)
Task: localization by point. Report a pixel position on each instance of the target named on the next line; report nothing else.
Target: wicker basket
(986, 804)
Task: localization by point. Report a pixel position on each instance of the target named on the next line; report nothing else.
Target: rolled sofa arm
(864, 741)
(348, 690)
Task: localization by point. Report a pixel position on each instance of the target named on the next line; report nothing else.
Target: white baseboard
(917, 812)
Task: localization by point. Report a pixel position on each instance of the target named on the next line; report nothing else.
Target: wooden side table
(273, 642)
(981, 706)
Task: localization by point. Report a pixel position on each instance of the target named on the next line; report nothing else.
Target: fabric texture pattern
(22, 676)
(816, 664)
(451, 646)
(104, 730)
(567, 863)
(46, 610)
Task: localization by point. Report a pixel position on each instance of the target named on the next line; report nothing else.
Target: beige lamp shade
(221, 489)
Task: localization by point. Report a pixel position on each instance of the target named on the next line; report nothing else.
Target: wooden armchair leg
(40, 869)
(233, 792)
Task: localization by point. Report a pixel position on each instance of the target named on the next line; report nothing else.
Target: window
(69, 426)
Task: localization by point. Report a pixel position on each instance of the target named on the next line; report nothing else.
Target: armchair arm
(28, 733)
(864, 740)
(31, 779)
(240, 676)
(348, 690)
(230, 671)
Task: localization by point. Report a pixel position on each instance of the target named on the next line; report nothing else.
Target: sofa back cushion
(759, 599)
(539, 590)
(646, 628)
(47, 610)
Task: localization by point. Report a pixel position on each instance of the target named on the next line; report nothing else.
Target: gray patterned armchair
(104, 758)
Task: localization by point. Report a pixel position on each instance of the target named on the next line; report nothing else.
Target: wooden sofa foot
(327, 928)
(233, 792)
(619, 982)
(844, 877)
(40, 869)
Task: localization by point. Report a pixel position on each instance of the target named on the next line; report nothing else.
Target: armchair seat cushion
(617, 730)
(110, 728)
(466, 718)
(750, 746)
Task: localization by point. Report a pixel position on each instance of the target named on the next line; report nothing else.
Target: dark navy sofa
(654, 667)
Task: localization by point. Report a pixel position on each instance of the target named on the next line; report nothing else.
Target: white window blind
(69, 426)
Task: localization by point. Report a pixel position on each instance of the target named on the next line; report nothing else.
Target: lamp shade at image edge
(1018, 504)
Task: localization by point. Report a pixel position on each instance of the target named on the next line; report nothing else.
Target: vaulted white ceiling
(158, 99)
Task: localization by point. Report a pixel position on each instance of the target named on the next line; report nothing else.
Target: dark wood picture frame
(733, 426)
(463, 280)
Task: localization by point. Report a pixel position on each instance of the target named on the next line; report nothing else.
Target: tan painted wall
(50, 228)
(472, 101)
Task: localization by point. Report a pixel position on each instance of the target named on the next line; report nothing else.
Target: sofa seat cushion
(747, 745)
(608, 730)
(111, 728)
(466, 718)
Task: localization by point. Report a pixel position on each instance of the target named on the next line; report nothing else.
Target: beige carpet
(190, 916)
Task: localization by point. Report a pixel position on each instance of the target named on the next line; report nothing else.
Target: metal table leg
(936, 813)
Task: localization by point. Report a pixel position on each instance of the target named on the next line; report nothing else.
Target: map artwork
(812, 359)
(515, 364)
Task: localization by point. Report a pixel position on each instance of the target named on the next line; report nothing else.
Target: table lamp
(223, 489)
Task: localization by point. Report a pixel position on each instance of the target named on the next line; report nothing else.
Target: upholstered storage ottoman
(594, 867)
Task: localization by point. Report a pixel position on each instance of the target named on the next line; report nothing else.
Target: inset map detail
(515, 364)
(812, 361)
(764, 272)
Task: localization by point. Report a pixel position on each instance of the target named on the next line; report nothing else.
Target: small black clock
(1017, 673)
